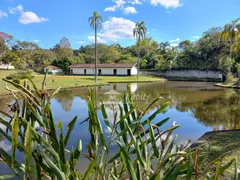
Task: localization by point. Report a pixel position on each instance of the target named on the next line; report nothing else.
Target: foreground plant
(144, 149)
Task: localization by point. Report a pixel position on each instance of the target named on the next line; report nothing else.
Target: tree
(184, 45)
(230, 32)
(236, 45)
(95, 22)
(139, 33)
(10, 58)
(63, 48)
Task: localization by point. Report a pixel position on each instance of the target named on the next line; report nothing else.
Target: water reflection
(197, 106)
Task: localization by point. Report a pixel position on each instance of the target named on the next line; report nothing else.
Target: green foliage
(226, 63)
(28, 74)
(144, 149)
(16, 80)
(229, 78)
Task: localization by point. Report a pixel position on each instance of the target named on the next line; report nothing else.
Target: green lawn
(55, 81)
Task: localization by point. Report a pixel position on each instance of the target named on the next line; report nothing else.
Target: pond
(198, 107)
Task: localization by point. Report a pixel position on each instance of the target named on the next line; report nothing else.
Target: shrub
(28, 74)
(16, 80)
(229, 78)
(144, 150)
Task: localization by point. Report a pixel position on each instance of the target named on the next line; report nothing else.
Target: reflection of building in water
(120, 87)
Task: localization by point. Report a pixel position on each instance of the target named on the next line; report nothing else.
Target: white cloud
(26, 17)
(129, 10)
(30, 17)
(115, 29)
(80, 42)
(99, 39)
(111, 8)
(174, 44)
(3, 14)
(36, 40)
(135, 2)
(166, 3)
(196, 37)
(119, 4)
(13, 10)
(175, 40)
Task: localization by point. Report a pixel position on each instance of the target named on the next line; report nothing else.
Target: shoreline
(6, 94)
(226, 86)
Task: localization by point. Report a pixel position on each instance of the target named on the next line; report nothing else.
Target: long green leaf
(70, 129)
(15, 127)
(90, 169)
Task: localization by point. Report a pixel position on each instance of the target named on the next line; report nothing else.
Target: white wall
(105, 71)
(6, 66)
(198, 74)
(134, 71)
(53, 71)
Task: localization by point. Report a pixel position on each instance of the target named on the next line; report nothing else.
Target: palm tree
(95, 22)
(230, 33)
(139, 33)
(236, 45)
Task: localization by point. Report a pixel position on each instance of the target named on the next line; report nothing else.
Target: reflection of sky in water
(197, 107)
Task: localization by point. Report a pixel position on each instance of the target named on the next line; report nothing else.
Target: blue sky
(47, 21)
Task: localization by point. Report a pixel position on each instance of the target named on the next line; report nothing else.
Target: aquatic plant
(144, 149)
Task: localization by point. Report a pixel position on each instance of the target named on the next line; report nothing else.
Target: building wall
(195, 74)
(104, 71)
(134, 71)
(53, 71)
(6, 66)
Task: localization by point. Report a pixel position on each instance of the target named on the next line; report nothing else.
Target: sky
(45, 22)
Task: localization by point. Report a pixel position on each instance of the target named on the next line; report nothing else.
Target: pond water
(198, 107)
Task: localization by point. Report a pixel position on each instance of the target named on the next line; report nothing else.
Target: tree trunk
(138, 63)
(95, 51)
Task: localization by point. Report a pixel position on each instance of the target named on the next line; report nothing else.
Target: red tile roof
(53, 67)
(103, 65)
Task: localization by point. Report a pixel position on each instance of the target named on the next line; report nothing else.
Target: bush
(16, 80)
(28, 74)
(229, 78)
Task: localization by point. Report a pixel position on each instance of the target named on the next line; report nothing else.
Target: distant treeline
(211, 51)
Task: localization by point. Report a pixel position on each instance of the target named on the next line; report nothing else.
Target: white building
(104, 69)
(53, 70)
(6, 66)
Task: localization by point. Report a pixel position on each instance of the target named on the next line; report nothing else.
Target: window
(85, 71)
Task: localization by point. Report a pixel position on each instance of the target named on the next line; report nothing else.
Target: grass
(55, 81)
(221, 142)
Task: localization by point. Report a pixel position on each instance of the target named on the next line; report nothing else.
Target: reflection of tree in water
(211, 106)
(65, 98)
(220, 112)
(4, 101)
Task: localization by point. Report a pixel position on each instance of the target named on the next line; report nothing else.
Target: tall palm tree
(139, 33)
(236, 45)
(95, 22)
(230, 32)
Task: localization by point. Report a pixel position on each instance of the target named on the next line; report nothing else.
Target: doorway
(129, 72)
(99, 72)
(114, 72)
